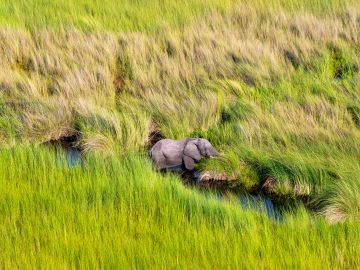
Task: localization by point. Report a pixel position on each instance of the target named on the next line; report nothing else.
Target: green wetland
(86, 87)
(118, 213)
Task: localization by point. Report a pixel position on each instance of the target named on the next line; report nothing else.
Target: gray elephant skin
(174, 154)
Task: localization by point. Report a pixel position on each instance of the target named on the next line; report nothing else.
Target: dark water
(262, 204)
(73, 157)
(66, 146)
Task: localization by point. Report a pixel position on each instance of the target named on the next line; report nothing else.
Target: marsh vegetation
(273, 85)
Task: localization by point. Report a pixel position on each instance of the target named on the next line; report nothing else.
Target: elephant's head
(195, 149)
(206, 149)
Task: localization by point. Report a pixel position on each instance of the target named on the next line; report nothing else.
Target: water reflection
(262, 204)
(73, 157)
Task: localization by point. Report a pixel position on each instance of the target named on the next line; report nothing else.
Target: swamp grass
(274, 85)
(118, 213)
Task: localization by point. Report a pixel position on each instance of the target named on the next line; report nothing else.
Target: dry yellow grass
(167, 74)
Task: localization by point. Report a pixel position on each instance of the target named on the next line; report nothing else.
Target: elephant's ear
(191, 150)
(189, 163)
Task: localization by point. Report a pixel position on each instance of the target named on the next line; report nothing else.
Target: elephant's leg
(160, 161)
(189, 163)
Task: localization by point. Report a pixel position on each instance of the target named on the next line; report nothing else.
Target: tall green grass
(117, 213)
(139, 15)
(123, 15)
(287, 134)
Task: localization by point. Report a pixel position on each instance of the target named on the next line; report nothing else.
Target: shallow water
(73, 157)
(262, 204)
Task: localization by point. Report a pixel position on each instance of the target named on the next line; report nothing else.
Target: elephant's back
(168, 145)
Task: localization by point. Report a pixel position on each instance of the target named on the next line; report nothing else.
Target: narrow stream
(257, 202)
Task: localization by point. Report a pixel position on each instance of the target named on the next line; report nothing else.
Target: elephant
(175, 155)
